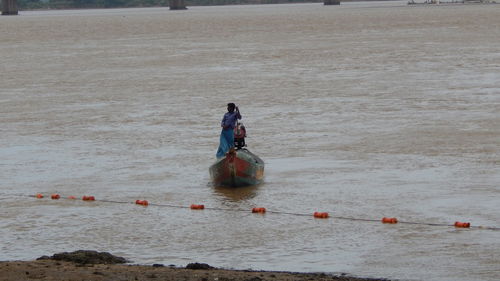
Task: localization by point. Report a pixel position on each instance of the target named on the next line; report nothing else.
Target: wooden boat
(239, 167)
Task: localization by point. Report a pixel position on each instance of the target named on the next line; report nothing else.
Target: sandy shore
(69, 271)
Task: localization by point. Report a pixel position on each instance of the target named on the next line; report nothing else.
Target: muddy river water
(363, 110)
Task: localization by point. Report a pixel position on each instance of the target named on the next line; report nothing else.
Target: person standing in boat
(227, 135)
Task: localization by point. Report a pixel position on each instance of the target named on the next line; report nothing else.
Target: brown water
(362, 110)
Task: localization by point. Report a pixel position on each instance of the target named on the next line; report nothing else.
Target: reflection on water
(237, 194)
(363, 110)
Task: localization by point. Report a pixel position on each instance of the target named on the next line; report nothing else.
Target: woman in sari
(227, 135)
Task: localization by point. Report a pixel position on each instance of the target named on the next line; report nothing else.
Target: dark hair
(231, 105)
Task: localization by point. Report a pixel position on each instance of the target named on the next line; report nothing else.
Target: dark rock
(198, 266)
(87, 257)
(331, 2)
(158, 265)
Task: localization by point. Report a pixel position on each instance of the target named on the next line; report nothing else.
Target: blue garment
(226, 142)
(227, 135)
(230, 119)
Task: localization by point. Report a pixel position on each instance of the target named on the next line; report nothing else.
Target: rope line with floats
(261, 210)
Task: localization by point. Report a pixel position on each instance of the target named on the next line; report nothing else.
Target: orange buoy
(462, 224)
(55, 196)
(88, 198)
(321, 215)
(71, 197)
(197, 207)
(142, 202)
(389, 220)
(259, 210)
(39, 196)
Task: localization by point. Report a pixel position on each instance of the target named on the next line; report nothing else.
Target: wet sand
(67, 271)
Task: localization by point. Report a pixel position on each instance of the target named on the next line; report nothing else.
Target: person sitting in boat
(239, 135)
(227, 135)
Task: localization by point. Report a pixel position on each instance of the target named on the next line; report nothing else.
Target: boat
(239, 167)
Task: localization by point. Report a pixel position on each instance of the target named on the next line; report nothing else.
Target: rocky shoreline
(91, 265)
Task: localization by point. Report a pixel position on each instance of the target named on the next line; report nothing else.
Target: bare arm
(238, 113)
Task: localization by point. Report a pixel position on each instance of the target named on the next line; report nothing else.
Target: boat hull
(237, 168)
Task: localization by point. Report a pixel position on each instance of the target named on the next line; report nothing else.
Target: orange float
(197, 207)
(142, 202)
(88, 198)
(71, 197)
(462, 224)
(321, 215)
(259, 210)
(389, 220)
(39, 196)
(55, 196)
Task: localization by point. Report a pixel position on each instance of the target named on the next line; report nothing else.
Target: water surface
(362, 110)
